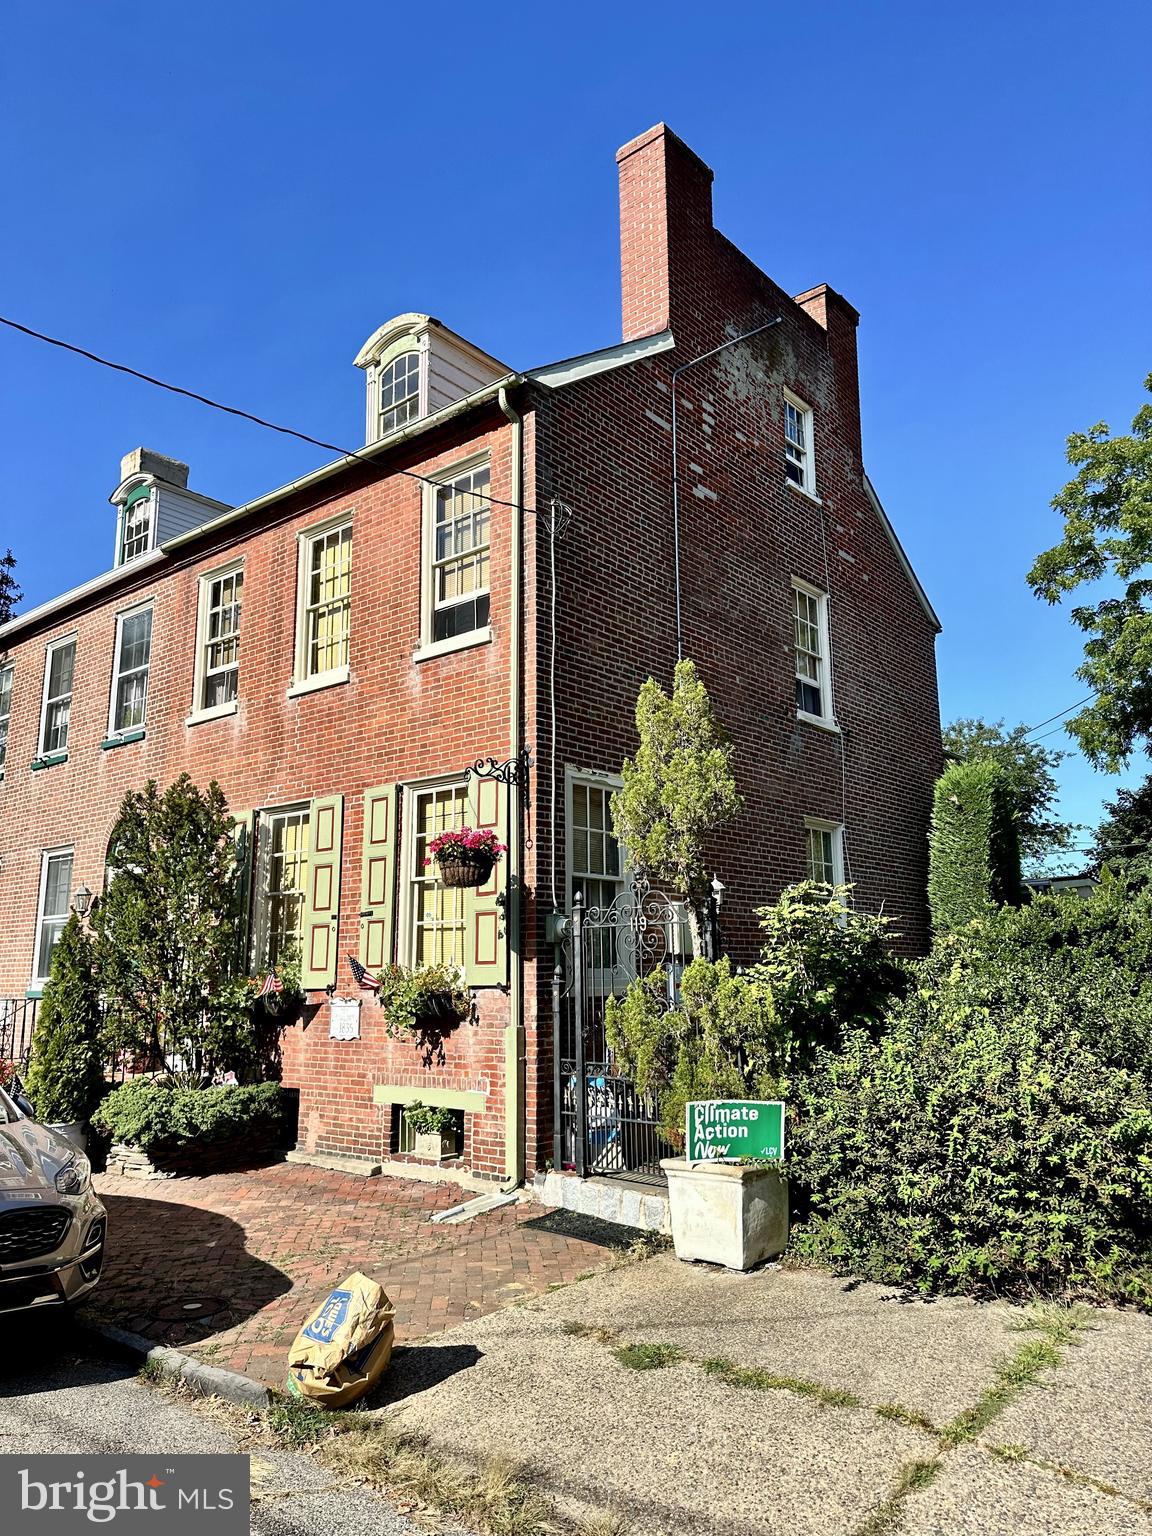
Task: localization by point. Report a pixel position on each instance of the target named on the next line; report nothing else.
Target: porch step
(616, 1200)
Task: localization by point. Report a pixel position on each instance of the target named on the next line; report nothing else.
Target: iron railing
(17, 1022)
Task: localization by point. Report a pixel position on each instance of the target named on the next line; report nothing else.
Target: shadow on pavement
(178, 1273)
(50, 1351)
(413, 1368)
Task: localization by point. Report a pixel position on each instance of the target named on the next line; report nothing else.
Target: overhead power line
(1059, 715)
(232, 410)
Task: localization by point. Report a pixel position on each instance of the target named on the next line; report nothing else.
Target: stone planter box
(261, 1144)
(723, 1213)
(75, 1132)
(432, 1146)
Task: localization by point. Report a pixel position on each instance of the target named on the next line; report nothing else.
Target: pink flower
(463, 842)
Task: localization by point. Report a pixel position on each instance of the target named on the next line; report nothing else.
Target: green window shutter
(322, 901)
(244, 836)
(485, 910)
(378, 876)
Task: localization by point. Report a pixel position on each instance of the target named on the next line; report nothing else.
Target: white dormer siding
(153, 504)
(449, 369)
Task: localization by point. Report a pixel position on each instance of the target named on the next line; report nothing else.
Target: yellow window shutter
(322, 901)
(378, 876)
(485, 910)
(244, 836)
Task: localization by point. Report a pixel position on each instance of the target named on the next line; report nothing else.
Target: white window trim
(59, 753)
(199, 665)
(594, 778)
(45, 855)
(406, 946)
(129, 613)
(258, 917)
(122, 558)
(826, 721)
(9, 668)
(407, 344)
(429, 647)
(301, 681)
(809, 486)
(819, 824)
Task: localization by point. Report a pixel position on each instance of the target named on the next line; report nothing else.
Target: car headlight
(74, 1176)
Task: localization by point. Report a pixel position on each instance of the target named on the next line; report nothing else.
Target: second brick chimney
(665, 219)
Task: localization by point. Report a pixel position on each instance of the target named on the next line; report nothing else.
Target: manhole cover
(190, 1310)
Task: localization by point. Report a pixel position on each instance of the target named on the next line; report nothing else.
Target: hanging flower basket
(464, 858)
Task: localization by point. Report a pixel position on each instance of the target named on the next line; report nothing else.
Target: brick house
(499, 568)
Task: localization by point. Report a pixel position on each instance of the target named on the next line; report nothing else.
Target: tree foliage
(1029, 770)
(1107, 512)
(678, 789)
(66, 1071)
(166, 934)
(1122, 842)
(10, 593)
(974, 851)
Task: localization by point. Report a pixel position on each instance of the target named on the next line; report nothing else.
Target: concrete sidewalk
(788, 1401)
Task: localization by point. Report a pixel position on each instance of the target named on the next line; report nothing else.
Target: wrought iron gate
(602, 1123)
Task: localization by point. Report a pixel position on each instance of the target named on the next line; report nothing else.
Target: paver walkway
(228, 1267)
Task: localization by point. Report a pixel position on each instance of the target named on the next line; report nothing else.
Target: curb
(208, 1380)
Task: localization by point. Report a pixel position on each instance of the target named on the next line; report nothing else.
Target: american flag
(362, 976)
(269, 985)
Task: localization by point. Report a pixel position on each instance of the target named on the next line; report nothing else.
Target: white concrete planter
(431, 1146)
(723, 1213)
(73, 1131)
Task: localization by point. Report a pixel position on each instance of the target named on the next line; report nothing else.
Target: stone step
(617, 1200)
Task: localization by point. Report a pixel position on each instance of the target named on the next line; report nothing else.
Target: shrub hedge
(974, 847)
(149, 1113)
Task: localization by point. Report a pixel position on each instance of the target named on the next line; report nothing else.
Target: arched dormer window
(399, 392)
(136, 538)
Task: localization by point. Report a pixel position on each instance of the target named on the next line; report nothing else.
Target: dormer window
(399, 386)
(137, 535)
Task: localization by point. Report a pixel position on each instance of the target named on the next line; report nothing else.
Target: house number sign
(344, 1018)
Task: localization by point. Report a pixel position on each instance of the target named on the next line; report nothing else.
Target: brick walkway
(227, 1267)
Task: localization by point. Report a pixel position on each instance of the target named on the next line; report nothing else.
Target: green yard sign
(725, 1130)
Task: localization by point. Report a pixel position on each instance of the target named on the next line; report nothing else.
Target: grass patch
(588, 1331)
(909, 1417)
(1019, 1453)
(296, 1422)
(759, 1380)
(648, 1357)
(885, 1519)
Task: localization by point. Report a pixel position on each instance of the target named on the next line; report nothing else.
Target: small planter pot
(75, 1132)
(723, 1213)
(434, 1146)
(460, 874)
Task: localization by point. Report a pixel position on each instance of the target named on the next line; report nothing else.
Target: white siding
(180, 511)
(453, 373)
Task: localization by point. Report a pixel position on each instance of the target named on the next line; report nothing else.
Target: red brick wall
(394, 721)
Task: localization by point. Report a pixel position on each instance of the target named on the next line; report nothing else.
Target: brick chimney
(665, 222)
(833, 311)
(146, 461)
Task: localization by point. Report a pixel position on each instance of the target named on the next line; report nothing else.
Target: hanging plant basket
(437, 1010)
(463, 872)
(465, 858)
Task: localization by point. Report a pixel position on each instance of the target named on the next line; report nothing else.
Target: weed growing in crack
(760, 1380)
(909, 1417)
(648, 1357)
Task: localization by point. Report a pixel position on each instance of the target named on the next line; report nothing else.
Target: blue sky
(234, 196)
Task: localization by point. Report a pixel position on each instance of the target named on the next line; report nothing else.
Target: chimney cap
(662, 131)
(146, 461)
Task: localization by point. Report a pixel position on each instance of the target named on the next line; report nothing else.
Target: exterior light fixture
(81, 901)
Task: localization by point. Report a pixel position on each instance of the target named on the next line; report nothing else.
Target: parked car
(52, 1226)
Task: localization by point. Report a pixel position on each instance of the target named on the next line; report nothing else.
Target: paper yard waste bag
(343, 1348)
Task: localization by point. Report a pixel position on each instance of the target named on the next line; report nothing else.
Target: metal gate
(602, 1124)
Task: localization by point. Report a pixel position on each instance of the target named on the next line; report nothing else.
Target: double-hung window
(457, 577)
(399, 387)
(218, 641)
(595, 860)
(436, 912)
(130, 672)
(324, 605)
(137, 525)
(52, 915)
(799, 454)
(825, 851)
(813, 673)
(6, 674)
(283, 840)
(56, 713)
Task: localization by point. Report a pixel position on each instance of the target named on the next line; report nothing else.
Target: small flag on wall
(362, 976)
(269, 985)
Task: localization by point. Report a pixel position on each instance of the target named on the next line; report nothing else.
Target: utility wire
(232, 410)
(1059, 715)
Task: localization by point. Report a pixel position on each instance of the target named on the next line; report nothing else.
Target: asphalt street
(62, 1393)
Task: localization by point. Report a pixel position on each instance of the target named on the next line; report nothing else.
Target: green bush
(150, 1113)
(827, 967)
(429, 1119)
(66, 1072)
(998, 1137)
(974, 847)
